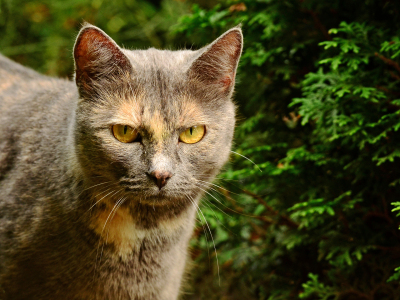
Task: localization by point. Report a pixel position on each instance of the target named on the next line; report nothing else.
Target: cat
(100, 179)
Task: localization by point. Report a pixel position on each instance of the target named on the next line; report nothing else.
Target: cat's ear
(217, 63)
(98, 60)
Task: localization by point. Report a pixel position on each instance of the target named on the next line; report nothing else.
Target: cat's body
(84, 216)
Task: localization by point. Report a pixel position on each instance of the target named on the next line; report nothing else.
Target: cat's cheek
(120, 157)
(197, 158)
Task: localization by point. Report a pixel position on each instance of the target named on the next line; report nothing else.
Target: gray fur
(64, 177)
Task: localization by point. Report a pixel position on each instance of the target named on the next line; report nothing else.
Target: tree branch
(318, 24)
(388, 61)
(285, 220)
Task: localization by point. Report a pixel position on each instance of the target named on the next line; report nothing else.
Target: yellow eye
(125, 133)
(193, 134)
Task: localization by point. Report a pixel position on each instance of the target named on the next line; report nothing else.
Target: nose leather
(160, 178)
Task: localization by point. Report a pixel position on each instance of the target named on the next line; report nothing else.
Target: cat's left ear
(98, 60)
(217, 63)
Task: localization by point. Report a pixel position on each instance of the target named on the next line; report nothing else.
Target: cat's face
(154, 125)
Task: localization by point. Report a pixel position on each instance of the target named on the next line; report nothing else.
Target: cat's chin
(159, 198)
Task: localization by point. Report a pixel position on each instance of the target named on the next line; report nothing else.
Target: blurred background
(318, 94)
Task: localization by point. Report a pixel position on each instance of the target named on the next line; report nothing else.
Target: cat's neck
(126, 227)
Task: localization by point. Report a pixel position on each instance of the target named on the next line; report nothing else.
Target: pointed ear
(98, 60)
(217, 63)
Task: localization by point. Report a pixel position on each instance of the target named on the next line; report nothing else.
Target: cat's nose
(160, 177)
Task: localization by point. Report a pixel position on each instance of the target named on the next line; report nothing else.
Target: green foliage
(396, 275)
(319, 114)
(41, 33)
(313, 286)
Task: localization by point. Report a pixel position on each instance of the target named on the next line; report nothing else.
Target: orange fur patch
(5, 85)
(118, 227)
(129, 112)
(157, 126)
(11, 79)
(191, 112)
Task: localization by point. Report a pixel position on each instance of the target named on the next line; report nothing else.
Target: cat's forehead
(146, 62)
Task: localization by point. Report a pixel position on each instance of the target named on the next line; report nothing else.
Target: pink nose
(160, 177)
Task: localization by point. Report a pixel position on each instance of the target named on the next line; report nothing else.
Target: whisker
(215, 199)
(204, 229)
(246, 215)
(218, 186)
(101, 234)
(212, 238)
(216, 215)
(94, 186)
(108, 230)
(247, 159)
(102, 199)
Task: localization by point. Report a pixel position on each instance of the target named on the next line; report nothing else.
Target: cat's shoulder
(16, 79)
(13, 72)
(10, 68)
(25, 92)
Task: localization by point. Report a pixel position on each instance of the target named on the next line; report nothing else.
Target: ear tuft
(218, 62)
(97, 57)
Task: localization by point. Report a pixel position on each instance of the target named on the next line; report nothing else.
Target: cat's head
(154, 126)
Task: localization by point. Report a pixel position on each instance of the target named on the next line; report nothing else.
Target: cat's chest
(117, 229)
(132, 262)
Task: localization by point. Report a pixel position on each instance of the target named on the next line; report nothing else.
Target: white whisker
(94, 186)
(218, 186)
(216, 215)
(102, 199)
(202, 225)
(225, 205)
(115, 211)
(212, 238)
(247, 159)
(217, 200)
(101, 234)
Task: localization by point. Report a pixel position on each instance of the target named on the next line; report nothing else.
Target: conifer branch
(319, 25)
(285, 220)
(388, 61)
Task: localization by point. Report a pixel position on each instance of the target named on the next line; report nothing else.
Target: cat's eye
(125, 133)
(193, 134)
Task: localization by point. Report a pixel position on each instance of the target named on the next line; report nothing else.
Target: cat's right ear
(215, 68)
(98, 60)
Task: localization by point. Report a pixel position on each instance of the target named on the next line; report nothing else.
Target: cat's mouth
(152, 195)
(142, 189)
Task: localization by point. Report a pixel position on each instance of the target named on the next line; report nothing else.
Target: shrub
(41, 33)
(319, 97)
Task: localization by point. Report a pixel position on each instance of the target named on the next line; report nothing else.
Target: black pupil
(125, 129)
(191, 130)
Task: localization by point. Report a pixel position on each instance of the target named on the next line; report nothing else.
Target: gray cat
(100, 179)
